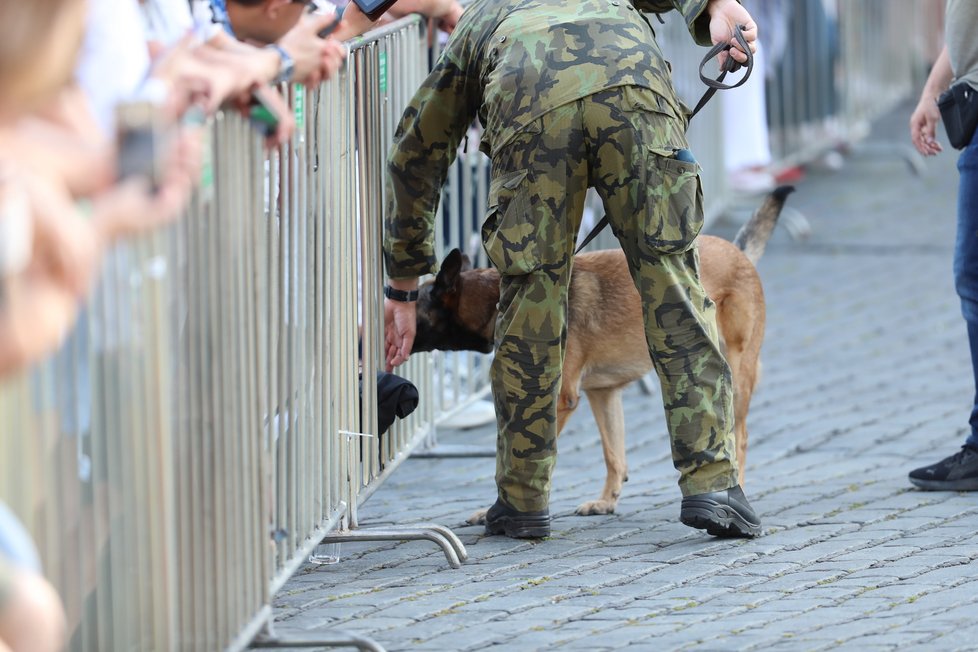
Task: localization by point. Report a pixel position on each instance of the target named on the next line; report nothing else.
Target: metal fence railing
(204, 427)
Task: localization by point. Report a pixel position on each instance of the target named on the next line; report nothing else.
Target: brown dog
(457, 311)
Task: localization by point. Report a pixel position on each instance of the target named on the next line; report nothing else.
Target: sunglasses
(310, 5)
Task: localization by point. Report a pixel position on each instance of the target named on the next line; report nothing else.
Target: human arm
(425, 146)
(58, 254)
(710, 22)
(923, 121)
(353, 23)
(316, 59)
(446, 13)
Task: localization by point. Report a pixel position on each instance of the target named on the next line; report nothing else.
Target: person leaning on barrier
(50, 246)
(351, 21)
(958, 61)
(445, 13)
(287, 29)
(573, 95)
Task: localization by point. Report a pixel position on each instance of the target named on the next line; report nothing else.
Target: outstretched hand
(400, 325)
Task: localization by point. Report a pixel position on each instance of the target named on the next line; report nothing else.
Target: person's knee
(32, 618)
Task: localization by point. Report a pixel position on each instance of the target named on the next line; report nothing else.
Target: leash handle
(730, 65)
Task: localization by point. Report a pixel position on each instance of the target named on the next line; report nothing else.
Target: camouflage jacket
(508, 62)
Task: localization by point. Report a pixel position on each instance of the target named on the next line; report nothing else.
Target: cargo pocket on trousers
(674, 203)
(509, 234)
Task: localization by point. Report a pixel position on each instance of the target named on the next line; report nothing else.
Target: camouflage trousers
(622, 142)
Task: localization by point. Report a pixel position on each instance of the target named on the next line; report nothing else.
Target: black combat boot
(721, 513)
(503, 519)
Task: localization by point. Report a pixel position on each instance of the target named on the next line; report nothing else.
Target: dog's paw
(595, 507)
(477, 518)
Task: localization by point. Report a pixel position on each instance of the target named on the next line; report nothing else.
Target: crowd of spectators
(101, 139)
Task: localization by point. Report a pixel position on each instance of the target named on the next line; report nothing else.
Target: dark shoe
(956, 473)
(503, 519)
(721, 513)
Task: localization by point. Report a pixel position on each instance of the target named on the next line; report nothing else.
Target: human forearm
(35, 315)
(940, 76)
(429, 8)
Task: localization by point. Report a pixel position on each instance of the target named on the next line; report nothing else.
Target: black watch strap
(400, 295)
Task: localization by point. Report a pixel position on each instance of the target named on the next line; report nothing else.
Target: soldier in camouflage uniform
(572, 95)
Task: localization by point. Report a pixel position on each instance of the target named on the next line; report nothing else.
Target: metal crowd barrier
(203, 428)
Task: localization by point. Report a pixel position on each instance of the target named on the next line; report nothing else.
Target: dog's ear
(466, 262)
(451, 267)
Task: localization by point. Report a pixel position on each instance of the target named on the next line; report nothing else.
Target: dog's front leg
(609, 414)
(478, 517)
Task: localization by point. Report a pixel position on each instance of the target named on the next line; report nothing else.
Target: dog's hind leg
(610, 416)
(742, 356)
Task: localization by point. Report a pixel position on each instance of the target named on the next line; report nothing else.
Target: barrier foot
(333, 639)
(450, 544)
(454, 450)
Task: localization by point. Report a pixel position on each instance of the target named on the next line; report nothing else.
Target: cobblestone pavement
(866, 375)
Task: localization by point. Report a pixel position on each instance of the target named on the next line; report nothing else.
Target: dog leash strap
(730, 65)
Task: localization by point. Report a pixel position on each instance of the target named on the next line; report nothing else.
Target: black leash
(730, 65)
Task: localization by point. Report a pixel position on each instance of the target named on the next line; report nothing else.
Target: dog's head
(457, 309)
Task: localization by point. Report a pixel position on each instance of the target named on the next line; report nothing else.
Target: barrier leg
(330, 639)
(450, 544)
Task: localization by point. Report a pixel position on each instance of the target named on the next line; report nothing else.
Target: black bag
(959, 111)
(396, 397)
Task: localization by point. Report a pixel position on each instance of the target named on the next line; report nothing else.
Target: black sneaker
(721, 513)
(503, 519)
(956, 473)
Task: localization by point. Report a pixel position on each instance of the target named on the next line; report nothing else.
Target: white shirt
(114, 58)
(167, 21)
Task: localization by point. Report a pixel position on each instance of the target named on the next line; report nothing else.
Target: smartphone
(141, 141)
(263, 113)
(374, 9)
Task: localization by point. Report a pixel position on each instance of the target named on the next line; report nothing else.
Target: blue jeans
(966, 262)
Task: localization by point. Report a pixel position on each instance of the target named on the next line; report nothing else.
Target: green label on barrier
(382, 69)
(207, 163)
(300, 107)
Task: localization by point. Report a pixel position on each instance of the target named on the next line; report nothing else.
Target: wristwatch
(286, 67)
(400, 295)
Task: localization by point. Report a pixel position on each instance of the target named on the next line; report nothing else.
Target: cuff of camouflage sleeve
(402, 264)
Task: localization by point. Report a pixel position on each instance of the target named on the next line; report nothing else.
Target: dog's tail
(753, 236)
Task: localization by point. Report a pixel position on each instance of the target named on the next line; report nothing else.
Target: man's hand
(449, 20)
(724, 16)
(923, 126)
(400, 326)
(66, 248)
(923, 122)
(315, 59)
(131, 207)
